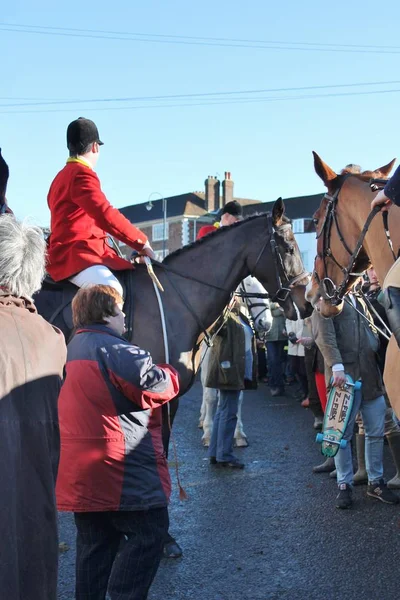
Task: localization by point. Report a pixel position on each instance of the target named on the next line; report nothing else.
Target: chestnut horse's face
(338, 234)
(325, 267)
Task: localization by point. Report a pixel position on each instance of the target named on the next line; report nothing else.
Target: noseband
(284, 282)
(328, 289)
(263, 306)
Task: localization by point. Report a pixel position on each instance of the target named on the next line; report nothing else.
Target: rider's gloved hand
(381, 200)
(147, 250)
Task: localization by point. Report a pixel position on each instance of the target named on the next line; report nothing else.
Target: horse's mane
(362, 175)
(219, 231)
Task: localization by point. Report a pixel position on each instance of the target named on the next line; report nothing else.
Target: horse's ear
(385, 170)
(323, 171)
(278, 211)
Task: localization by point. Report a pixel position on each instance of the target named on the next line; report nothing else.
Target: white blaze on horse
(255, 297)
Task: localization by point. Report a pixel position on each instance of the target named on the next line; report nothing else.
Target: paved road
(270, 532)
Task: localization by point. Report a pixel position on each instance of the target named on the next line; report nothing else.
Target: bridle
(284, 282)
(282, 279)
(328, 289)
(243, 293)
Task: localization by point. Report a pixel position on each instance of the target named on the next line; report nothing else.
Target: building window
(158, 232)
(298, 225)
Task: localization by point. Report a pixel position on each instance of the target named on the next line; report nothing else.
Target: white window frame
(157, 233)
(298, 225)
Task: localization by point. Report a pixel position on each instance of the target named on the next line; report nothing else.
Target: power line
(42, 100)
(196, 95)
(201, 38)
(195, 41)
(212, 102)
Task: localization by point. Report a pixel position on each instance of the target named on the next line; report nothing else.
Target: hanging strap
(385, 218)
(373, 310)
(182, 493)
(371, 323)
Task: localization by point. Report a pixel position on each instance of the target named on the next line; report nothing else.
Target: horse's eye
(315, 221)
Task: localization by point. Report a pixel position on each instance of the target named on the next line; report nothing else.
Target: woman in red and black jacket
(113, 472)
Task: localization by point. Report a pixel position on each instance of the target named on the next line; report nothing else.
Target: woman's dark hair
(93, 304)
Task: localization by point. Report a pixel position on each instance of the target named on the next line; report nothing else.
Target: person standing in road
(349, 345)
(113, 470)
(32, 358)
(276, 358)
(230, 367)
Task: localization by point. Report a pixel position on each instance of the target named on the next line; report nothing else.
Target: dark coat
(112, 455)
(275, 334)
(227, 360)
(374, 298)
(32, 357)
(392, 188)
(348, 339)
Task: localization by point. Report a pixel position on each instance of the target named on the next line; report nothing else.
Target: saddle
(61, 315)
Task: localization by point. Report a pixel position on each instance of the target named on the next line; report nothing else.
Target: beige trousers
(392, 278)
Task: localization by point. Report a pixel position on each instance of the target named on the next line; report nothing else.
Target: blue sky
(157, 148)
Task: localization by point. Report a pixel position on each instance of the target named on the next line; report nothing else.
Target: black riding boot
(392, 307)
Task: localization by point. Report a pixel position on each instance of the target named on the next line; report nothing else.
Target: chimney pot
(227, 189)
(212, 193)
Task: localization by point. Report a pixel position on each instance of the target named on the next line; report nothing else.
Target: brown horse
(343, 222)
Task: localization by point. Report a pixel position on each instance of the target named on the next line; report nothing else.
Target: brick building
(187, 213)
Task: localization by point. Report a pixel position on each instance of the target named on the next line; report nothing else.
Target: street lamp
(149, 206)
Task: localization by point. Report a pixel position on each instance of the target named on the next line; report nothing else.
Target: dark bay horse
(344, 222)
(199, 279)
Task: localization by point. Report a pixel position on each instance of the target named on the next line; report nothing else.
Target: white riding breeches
(97, 275)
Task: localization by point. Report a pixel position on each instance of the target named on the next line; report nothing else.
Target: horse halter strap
(329, 290)
(283, 289)
(250, 305)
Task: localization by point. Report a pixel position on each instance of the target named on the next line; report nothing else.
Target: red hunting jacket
(206, 229)
(81, 218)
(112, 454)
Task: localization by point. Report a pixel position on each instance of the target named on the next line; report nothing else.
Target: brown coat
(32, 356)
(226, 363)
(349, 340)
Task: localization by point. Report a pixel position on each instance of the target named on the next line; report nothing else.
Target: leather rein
(329, 291)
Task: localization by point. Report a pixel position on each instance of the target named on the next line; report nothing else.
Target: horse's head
(286, 268)
(255, 297)
(339, 221)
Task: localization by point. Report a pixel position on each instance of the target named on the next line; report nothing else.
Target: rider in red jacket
(229, 214)
(82, 218)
